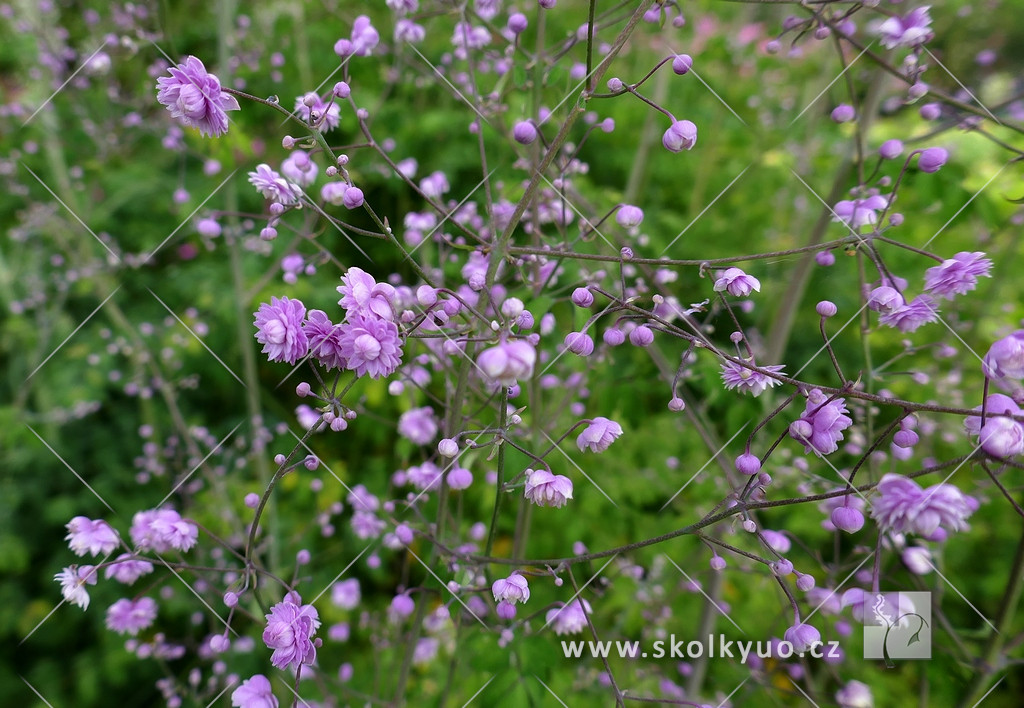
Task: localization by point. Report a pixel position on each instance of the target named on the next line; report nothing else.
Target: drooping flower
(599, 435)
(418, 425)
(126, 569)
(747, 380)
(903, 507)
(681, 135)
(194, 97)
(957, 275)
(932, 159)
(802, 637)
(737, 283)
(324, 340)
(131, 616)
(859, 212)
(1005, 358)
(909, 317)
(273, 186)
(821, 426)
(911, 30)
(162, 530)
(362, 295)
(569, 619)
(546, 489)
(370, 346)
(279, 329)
(511, 589)
(255, 692)
(327, 115)
(88, 536)
(289, 632)
(508, 362)
(73, 580)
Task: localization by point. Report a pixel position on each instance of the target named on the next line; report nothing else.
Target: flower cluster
(903, 507)
(821, 426)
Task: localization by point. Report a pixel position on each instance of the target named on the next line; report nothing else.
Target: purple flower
(255, 692)
(346, 594)
(126, 569)
(848, 519)
(273, 186)
(328, 115)
(681, 135)
(363, 39)
(579, 343)
(802, 637)
(279, 329)
(747, 380)
(641, 336)
(569, 619)
(418, 425)
(843, 113)
(910, 30)
(289, 632)
(511, 589)
(932, 159)
(903, 507)
(88, 536)
(370, 346)
(919, 311)
(300, 169)
(194, 97)
(524, 132)
(737, 283)
(324, 340)
(1005, 358)
(73, 580)
(508, 362)
(855, 694)
(599, 435)
(859, 212)
(629, 216)
(546, 489)
(957, 275)
(161, 530)
(362, 295)
(821, 426)
(130, 617)
(459, 478)
(1002, 436)
(891, 149)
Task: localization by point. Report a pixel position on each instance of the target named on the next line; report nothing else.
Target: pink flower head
(508, 362)
(821, 426)
(161, 530)
(911, 30)
(73, 580)
(255, 692)
(126, 569)
(1005, 358)
(279, 329)
(747, 380)
(418, 425)
(919, 311)
(569, 619)
(957, 275)
(324, 340)
(903, 507)
(546, 489)
(681, 135)
(131, 616)
(289, 632)
(737, 283)
(195, 98)
(512, 589)
(88, 536)
(859, 212)
(362, 295)
(327, 115)
(371, 347)
(274, 187)
(599, 435)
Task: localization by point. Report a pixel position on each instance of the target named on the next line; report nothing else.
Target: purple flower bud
(342, 90)
(626, 253)
(681, 135)
(524, 133)
(931, 111)
(848, 519)
(682, 64)
(931, 159)
(614, 337)
(905, 438)
(916, 91)
(302, 390)
(895, 219)
(773, 46)
(506, 610)
(582, 297)
(579, 343)
(517, 23)
(802, 637)
(230, 599)
(825, 258)
(404, 534)
(717, 562)
(891, 149)
(843, 113)
(826, 308)
(353, 198)
(885, 299)
(748, 464)
(629, 216)
(547, 4)
(208, 228)
(614, 84)
(641, 336)
(252, 500)
(804, 582)
(782, 567)
(676, 404)
(448, 448)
